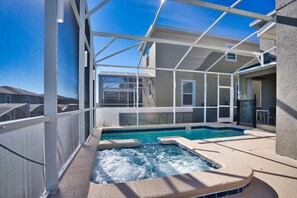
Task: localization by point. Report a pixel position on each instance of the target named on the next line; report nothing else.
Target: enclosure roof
(128, 74)
(186, 32)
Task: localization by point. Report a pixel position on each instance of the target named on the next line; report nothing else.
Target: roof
(183, 31)
(16, 91)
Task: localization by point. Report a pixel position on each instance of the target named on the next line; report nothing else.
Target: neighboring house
(118, 89)
(15, 95)
(189, 85)
(18, 103)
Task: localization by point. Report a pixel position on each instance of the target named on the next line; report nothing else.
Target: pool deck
(274, 175)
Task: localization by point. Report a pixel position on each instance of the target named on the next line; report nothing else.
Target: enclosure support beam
(226, 9)
(81, 72)
(100, 5)
(205, 97)
(257, 56)
(105, 47)
(218, 99)
(174, 97)
(204, 33)
(137, 97)
(149, 31)
(91, 88)
(159, 69)
(174, 42)
(50, 97)
(232, 99)
(118, 52)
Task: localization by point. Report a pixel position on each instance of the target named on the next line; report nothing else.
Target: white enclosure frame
(50, 118)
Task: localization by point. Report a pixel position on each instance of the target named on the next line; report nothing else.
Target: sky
(134, 17)
(21, 47)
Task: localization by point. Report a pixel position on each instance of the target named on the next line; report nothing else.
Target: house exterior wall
(167, 56)
(21, 99)
(266, 44)
(164, 88)
(286, 40)
(148, 99)
(269, 91)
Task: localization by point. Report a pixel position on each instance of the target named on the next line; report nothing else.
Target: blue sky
(21, 58)
(135, 16)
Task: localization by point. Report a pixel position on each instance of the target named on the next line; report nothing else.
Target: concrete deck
(230, 175)
(274, 175)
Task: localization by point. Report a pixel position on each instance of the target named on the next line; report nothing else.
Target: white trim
(260, 93)
(259, 68)
(205, 97)
(12, 125)
(174, 96)
(230, 106)
(105, 47)
(226, 9)
(50, 97)
(193, 92)
(100, 5)
(75, 11)
(160, 69)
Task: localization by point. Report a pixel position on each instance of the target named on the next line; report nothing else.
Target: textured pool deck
(274, 175)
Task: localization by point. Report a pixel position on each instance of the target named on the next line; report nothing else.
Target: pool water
(150, 137)
(147, 161)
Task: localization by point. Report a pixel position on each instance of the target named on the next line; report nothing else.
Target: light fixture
(94, 74)
(86, 58)
(60, 11)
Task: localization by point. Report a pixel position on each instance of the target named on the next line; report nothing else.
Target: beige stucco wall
(286, 40)
(152, 61)
(164, 88)
(168, 56)
(269, 91)
(148, 100)
(266, 44)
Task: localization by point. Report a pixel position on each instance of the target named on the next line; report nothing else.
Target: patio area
(274, 175)
(73, 71)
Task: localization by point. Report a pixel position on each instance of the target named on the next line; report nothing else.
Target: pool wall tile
(170, 129)
(226, 193)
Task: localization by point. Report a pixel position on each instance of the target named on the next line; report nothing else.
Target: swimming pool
(151, 135)
(147, 161)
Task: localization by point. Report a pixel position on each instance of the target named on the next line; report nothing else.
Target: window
(188, 93)
(148, 61)
(28, 99)
(8, 99)
(147, 54)
(150, 89)
(231, 57)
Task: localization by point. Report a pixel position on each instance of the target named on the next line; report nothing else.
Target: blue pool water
(147, 161)
(150, 137)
